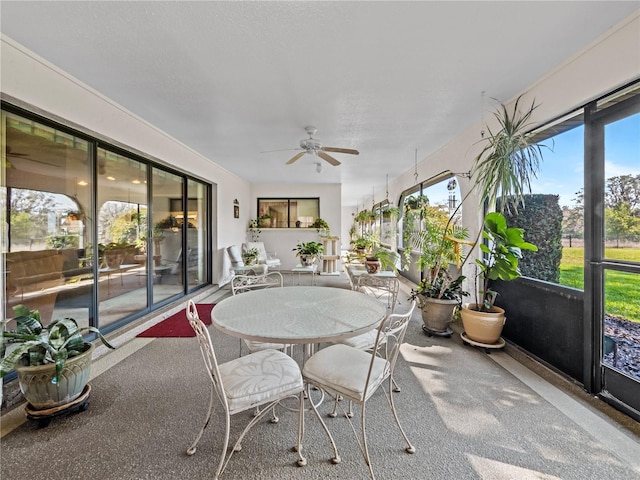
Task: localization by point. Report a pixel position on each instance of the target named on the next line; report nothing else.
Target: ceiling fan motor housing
(310, 144)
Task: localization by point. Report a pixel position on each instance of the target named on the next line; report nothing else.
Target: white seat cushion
(257, 346)
(272, 262)
(258, 378)
(344, 369)
(363, 341)
(234, 255)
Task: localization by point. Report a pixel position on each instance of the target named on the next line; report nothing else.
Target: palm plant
(510, 158)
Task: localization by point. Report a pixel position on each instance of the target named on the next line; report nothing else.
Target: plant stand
(487, 346)
(438, 333)
(43, 417)
(330, 257)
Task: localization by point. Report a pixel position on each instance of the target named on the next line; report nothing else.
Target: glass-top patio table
(298, 314)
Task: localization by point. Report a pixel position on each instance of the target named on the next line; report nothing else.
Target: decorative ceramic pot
(306, 260)
(437, 314)
(36, 383)
(482, 327)
(372, 264)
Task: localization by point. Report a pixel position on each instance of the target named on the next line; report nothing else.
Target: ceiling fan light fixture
(318, 167)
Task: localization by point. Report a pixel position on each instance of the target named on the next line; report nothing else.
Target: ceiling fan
(312, 146)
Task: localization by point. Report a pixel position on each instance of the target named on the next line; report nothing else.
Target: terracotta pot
(482, 327)
(37, 387)
(437, 314)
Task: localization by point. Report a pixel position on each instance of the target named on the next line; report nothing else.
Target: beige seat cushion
(344, 369)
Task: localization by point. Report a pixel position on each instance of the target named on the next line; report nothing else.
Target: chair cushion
(258, 378)
(257, 346)
(344, 369)
(363, 341)
(272, 262)
(234, 255)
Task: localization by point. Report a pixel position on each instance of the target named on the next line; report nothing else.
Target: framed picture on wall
(236, 208)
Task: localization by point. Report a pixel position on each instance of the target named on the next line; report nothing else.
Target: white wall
(283, 240)
(37, 83)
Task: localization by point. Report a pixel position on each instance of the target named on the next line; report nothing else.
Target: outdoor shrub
(541, 219)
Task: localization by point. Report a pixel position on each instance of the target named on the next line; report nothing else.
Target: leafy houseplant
(439, 292)
(502, 254)
(364, 242)
(322, 226)
(40, 354)
(250, 257)
(503, 169)
(308, 252)
(384, 259)
(264, 220)
(389, 211)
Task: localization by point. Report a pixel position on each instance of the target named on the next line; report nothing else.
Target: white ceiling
(233, 79)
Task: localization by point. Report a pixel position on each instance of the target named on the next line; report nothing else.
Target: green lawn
(622, 290)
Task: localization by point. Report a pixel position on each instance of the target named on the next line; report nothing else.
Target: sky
(562, 171)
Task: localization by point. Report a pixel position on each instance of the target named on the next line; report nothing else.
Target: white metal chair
(238, 266)
(386, 288)
(261, 378)
(356, 374)
(382, 288)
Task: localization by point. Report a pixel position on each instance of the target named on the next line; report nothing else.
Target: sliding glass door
(615, 254)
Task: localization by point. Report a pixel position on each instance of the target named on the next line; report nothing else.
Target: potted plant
(322, 226)
(381, 258)
(250, 257)
(503, 169)
(390, 212)
(308, 252)
(363, 243)
(264, 220)
(53, 362)
(440, 291)
(483, 320)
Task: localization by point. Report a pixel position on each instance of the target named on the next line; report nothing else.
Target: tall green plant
(510, 158)
(503, 251)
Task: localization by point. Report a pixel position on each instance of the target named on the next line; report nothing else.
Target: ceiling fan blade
(341, 150)
(328, 158)
(295, 157)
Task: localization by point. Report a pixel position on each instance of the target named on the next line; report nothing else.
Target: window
(288, 212)
(94, 232)
(436, 199)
